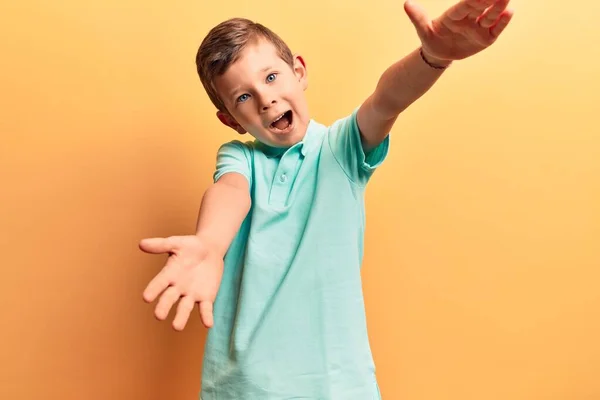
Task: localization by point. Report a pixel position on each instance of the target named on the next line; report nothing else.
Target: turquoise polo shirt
(289, 318)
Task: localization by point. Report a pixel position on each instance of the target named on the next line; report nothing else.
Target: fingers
(185, 307)
(166, 301)
(206, 313)
(160, 282)
(478, 7)
(490, 23)
(159, 245)
(489, 17)
(467, 8)
(505, 18)
(488, 33)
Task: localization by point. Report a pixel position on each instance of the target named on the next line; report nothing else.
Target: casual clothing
(289, 320)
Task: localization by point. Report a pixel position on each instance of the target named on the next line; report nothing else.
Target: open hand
(192, 274)
(461, 31)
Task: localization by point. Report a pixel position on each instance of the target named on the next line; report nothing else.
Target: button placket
(280, 189)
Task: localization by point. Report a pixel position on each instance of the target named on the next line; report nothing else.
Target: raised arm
(463, 30)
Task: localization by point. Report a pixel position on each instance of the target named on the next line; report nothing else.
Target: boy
(279, 238)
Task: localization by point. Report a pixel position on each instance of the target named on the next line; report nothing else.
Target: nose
(267, 100)
(268, 104)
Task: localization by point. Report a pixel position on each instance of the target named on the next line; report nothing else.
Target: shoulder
(235, 156)
(346, 145)
(346, 123)
(249, 148)
(234, 146)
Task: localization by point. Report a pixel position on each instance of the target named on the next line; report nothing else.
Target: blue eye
(271, 77)
(243, 98)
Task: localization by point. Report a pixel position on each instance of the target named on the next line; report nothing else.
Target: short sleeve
(234, 156)
(345, 143)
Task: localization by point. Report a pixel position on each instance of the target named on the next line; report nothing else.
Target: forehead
(254, 59)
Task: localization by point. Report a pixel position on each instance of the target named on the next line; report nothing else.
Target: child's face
(264, 96)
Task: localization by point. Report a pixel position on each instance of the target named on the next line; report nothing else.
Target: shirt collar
(305, 145)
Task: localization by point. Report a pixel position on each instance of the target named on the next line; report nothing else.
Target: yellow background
(482, 262)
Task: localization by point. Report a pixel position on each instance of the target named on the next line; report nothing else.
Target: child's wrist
(434, 62)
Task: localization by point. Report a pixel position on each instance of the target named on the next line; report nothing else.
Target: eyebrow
(232, 93)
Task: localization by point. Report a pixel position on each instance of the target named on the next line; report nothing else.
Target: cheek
(250, 117)
(292, 88)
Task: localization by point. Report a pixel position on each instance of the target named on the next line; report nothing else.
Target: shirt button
(282, 178)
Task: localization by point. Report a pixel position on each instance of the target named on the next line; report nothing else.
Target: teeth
(278, 118)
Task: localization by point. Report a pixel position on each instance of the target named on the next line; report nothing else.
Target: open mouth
(283, 122)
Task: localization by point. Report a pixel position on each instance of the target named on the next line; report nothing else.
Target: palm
(192, 274)
(463, 30)
(186, 268)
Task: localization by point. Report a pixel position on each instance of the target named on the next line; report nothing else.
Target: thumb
(417, 16)
(157, 245)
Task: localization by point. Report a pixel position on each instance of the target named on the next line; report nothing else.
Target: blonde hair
(222, 47)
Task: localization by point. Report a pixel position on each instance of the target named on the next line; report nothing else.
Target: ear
(229, 121)
(300, 71)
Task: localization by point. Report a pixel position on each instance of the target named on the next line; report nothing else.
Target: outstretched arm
(194, 268)
(463, 30)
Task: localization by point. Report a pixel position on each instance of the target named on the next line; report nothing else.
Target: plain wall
(481, 262)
